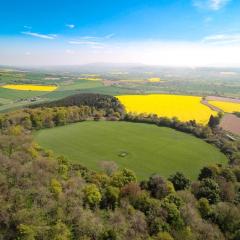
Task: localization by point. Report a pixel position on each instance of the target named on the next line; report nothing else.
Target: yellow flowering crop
(226, 106)
(185, 108)
(30, 87)
(89, 75)
(91, 78)
(154, 80)
(131, 80)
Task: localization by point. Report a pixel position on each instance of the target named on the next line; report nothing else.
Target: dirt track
(214, 108)
(223, 99)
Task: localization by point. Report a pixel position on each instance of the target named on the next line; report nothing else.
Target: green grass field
(149, 149)
(81, 84)
(17, 94)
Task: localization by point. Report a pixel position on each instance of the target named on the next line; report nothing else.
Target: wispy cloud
(89, 37)
(98, 47)
(222, 39)
(97, 38)
(40, 35)
(71, 26)
(208, 19)
(69, 51)
(27, 27)
(148, 52)
(93, 43)
(214, 5)
(109, 36)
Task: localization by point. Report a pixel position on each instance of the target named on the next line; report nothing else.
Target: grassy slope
(151, 149)
(81, 84)
(8, 96)
(16, 94)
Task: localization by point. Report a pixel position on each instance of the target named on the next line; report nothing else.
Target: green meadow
(144, 148)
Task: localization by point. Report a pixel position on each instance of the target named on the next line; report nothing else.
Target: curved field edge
(184, 107)
(149, 149)
(227, 107)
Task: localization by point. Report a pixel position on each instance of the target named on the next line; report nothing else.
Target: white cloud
(71, 26)
(223, 39)
(100, 38)
(214, 5)
(208, 19)
(89, 37)
(217, 4)
(39, 35)
(97, 47)
(53, 35)
(69, 51)
(109, 36)
(27, 27)
(177, 54)
(91, 43)
(191, 54)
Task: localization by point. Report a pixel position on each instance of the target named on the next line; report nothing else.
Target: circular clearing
(143, 148)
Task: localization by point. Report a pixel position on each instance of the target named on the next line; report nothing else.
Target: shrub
(209, 189)
(123, 177)
(92, 195)
(179, 181)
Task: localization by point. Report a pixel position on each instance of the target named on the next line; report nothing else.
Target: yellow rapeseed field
(154, 80)
(131, 80)
(90, 78)
(30, 87)
(185, 108)
(226, 106)
(89, 75)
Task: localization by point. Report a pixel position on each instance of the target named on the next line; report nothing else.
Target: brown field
(223, 99)
(231, 123)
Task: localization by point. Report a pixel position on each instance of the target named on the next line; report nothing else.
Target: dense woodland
(43, 196)
(98, 101)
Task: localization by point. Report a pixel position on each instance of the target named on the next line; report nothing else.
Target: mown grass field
(148, 148)
(185, 108)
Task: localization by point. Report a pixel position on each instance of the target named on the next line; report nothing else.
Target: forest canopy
(43, 196)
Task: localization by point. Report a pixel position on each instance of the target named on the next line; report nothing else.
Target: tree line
(209, 133)
(68, 110)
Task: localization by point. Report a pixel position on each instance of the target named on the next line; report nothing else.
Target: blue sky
(162, 32)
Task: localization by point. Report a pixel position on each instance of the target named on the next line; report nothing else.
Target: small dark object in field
(123, 154)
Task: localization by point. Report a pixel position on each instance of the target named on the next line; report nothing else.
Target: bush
(179, 181)
(159, 187)
(92, 195)
(204, 207)
(164, 236)
(123, 177)
(209, 172)
(209, 189)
